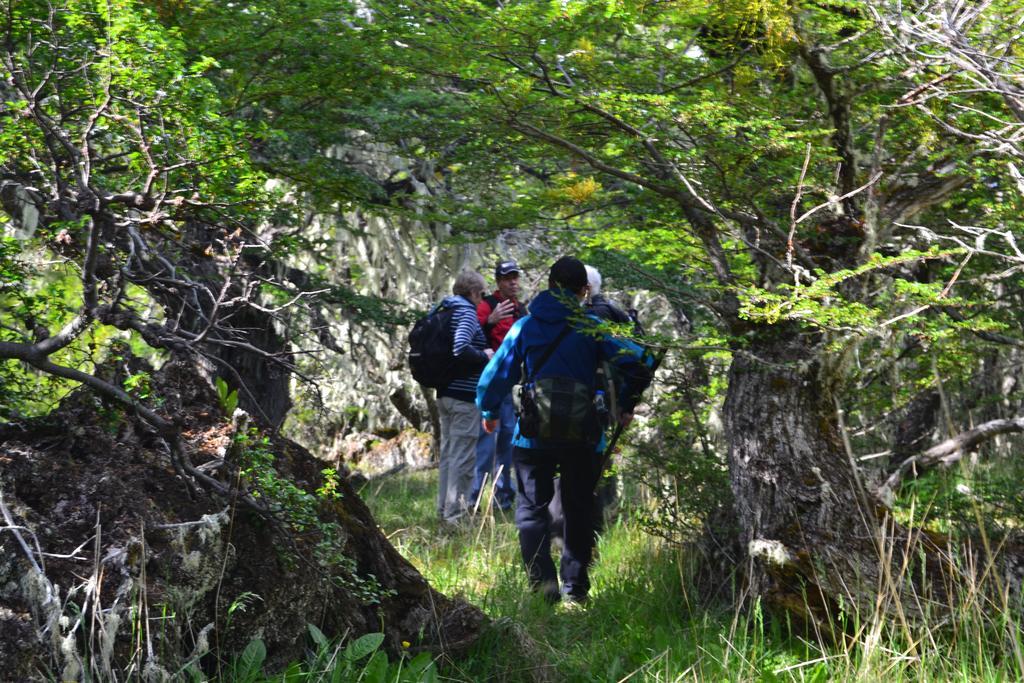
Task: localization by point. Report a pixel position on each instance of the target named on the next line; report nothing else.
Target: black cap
(568, 273)
(506, 267)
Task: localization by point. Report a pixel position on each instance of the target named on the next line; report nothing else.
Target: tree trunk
(809, 529)
(914, 427)
(264, 386)
(406, 407)
(243, 343)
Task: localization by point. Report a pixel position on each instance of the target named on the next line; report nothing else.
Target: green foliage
(680, 466)
(544, 114)
(130, 74)
(36, 300)
(361, 659)
(30, 301)
(578, 95)
(138, 385)
(651, 619)
(241, 603)
(959, 501)
(329, 489)
(250, 663)
(822, 303)
(228, 398)
(120, 106)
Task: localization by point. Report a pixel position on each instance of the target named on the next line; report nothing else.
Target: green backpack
(556, 409)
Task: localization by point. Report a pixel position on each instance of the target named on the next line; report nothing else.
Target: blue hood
(457, 301)
(555, 306)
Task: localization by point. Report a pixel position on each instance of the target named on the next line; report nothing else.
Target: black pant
(605, 496)
(535, 475)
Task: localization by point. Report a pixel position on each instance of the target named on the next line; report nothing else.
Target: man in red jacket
(497, 313)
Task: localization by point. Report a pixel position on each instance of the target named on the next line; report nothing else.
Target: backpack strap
(492, 301)
(550, 350)
(519, 311)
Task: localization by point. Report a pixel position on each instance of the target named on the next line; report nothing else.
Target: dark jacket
(468, 344)
(606, 309)
(577, 356)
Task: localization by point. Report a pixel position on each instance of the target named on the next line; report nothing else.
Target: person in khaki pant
(460, 418)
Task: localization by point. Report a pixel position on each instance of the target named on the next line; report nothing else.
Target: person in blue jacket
(536, 461)
(598, 306)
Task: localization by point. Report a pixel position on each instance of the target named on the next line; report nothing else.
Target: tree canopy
(821, 196)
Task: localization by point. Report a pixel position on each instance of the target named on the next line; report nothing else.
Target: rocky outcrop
(112, 565)
(371, 456)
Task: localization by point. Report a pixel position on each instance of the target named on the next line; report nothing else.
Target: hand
(489, 425)
(503, 310)
(625, 419)
(489, 352)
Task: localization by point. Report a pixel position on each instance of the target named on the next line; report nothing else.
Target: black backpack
(430, 348)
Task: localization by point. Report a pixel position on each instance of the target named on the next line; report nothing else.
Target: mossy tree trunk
(817, 542)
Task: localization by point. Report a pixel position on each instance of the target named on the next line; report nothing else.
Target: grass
(647, 622)
(643, 622)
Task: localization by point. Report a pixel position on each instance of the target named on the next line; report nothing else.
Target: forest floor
(647, 622)
(644, 621)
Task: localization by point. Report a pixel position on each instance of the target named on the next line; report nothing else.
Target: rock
(141, 574)
(371, 456)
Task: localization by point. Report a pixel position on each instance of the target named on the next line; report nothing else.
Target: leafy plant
(138, 385)
(228, 398)
(240, 604)
(249, 666)
(649, 620)
(361, 659)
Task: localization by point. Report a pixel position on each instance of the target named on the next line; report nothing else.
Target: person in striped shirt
(456, 401)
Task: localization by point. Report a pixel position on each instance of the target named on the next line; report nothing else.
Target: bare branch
(951, 450)
(792, 209)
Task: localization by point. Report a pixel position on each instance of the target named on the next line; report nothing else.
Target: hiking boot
(549, 591)
(570, 596)
(570, 605)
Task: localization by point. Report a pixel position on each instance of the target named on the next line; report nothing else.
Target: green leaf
(819, 674)
(363, 646)
(251, 662)
(228, 399)
(231, 403)
(294, 672)
(420, 669)
(318, 636)
(376, 670)
(342, 672)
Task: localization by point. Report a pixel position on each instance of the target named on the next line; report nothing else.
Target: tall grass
(647, 622)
